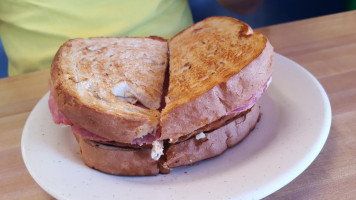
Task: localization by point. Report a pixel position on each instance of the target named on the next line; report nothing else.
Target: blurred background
(270, 12)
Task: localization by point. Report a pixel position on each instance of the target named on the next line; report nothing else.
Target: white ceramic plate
(294, 127)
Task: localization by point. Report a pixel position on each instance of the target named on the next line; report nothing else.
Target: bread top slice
(206, 54)
(216, 66)
(99, 81)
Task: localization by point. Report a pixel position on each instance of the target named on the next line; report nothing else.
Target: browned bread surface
(209, 53)
(95, 78)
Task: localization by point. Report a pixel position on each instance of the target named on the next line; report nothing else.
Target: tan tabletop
(326, 46)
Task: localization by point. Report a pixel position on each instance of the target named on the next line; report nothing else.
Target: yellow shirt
(33, 30)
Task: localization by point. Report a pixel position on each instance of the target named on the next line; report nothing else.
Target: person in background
(240, 6)
(33, 30)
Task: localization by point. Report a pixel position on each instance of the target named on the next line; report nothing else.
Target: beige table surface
(326, 46)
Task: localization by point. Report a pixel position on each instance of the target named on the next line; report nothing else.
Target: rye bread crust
(89, 108)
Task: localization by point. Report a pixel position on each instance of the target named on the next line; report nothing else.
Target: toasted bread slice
(216, 66)
(99, 83)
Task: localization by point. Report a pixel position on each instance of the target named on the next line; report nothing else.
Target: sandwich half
(111, 87)
(219, 68)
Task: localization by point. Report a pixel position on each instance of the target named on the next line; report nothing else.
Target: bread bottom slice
(138, 162)
(214, 143)
(117, 160)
